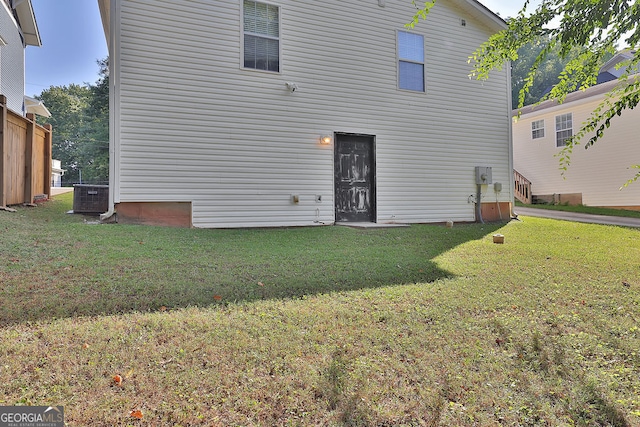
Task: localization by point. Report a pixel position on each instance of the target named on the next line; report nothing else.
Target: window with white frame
(564, 129)
(261, 32)
(410, 61)
(537, 129)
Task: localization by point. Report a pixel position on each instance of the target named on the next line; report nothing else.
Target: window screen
(261, 29)
(564, 129)
(410, 61)
(537, 129)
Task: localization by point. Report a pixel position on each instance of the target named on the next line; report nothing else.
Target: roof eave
(599, 90)
(495, 22)
(105, 7)
(623, 55)
(28, 24)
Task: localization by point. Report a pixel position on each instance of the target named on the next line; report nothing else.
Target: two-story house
(18, 29)
(595, 177)
(243, 113)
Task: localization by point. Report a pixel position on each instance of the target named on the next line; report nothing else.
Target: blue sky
(73, 40)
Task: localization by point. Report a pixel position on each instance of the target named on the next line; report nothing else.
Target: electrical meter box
(483, 175)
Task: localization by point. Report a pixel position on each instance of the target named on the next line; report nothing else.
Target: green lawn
(320, 326)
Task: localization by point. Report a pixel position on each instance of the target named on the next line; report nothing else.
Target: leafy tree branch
(585, 33)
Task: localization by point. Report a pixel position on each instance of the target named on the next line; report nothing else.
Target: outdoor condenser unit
(90, 198)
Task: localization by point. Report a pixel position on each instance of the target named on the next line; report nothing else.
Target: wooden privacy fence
(25, 157)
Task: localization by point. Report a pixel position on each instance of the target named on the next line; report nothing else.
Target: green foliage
(421, 12)
(582, 34)
(80, 120)
(588, 30)
(546, 75)
(67, 105)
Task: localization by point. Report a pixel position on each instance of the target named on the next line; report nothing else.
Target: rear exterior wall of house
(191, 124)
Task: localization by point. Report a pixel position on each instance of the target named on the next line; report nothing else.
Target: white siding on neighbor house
(239, 144)
(597, 172)
(11, 61)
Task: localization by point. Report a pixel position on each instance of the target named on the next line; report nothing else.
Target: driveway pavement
(60, 190)
(578, 217)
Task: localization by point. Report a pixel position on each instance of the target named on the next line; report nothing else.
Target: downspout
(113, 60)
(479, 203)
(510, 118)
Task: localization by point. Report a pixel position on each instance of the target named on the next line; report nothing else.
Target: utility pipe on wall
(478, 204)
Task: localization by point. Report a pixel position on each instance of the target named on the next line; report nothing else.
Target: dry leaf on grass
(117, 380)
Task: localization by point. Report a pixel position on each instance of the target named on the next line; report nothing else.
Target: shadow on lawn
(75, 269)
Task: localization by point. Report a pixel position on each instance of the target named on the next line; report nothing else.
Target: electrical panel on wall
(483, 175)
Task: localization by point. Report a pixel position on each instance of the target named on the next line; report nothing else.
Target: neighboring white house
(595, 176)
(56, 173)
(613, 69)
(18, 29)
(293, 113)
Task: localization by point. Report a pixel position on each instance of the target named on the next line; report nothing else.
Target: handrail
(522, 188)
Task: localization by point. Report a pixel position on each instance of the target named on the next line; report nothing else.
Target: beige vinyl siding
(597, 173)
(11, 61)
(195, 126)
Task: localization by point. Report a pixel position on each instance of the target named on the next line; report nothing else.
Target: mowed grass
(320, 326)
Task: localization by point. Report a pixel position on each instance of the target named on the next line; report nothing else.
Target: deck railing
(522, 188)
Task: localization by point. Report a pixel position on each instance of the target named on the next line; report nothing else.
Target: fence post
(3, 151)
(47, 158)
(30, 159)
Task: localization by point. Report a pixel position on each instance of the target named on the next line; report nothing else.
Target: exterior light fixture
(326, 139)
(291, 86)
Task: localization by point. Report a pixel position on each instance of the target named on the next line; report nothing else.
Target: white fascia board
(105, 15)
(483, 13)
(28, 24)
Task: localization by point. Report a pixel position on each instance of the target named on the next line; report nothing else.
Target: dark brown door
(354, 178)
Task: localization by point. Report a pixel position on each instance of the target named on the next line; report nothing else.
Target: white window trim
(424, 66)
(279, 38)
(538, 129)
(562, 130)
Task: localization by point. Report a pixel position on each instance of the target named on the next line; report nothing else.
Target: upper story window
(410, 61)
(537, 129)
(564, 129)
(261, 32)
